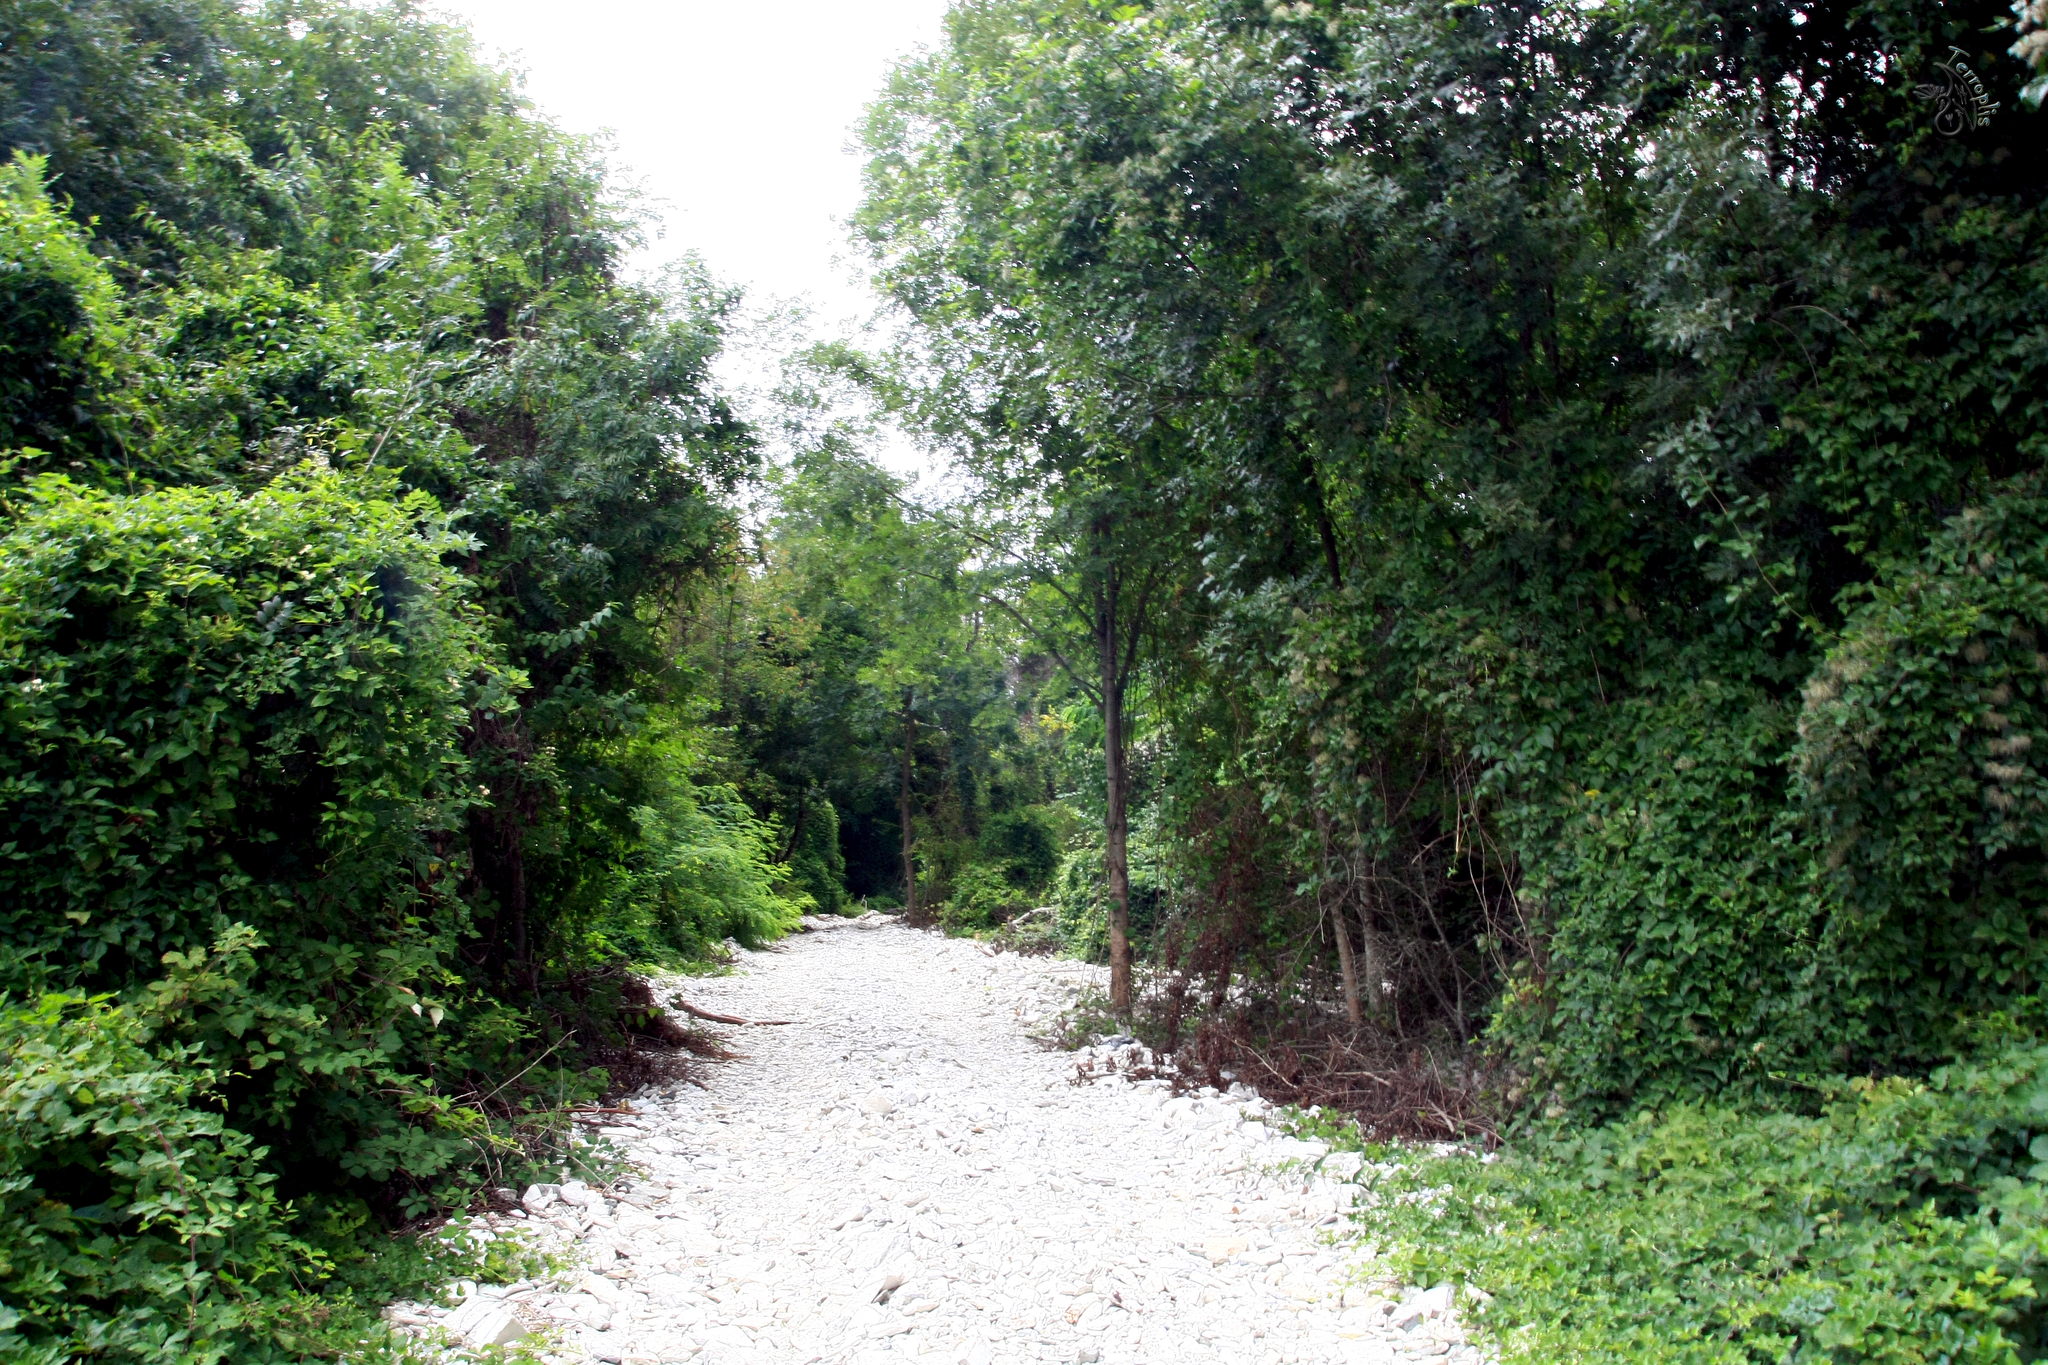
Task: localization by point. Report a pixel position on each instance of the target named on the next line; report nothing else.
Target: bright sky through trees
(738, 116)
(735, 121)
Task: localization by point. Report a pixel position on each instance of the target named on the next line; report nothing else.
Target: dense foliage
(912, 757)
(1904, 1222)
(1596, 480)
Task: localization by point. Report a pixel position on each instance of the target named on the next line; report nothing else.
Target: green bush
(1762, 888)
(1686, 912)
(981, 896)
(705, 873)
(699, 869)
(320, 819)
(817, 866)
(1079, 891)
(1083, 914)
(1025, 844)
(1922, 798)
(134, 1224)
(223, 709)
(1907, 1222)
(64, 337)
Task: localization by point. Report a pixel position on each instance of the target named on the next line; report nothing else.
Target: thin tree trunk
(903, 805)
(1371, 969)
(1347, 961)
(796, 827)
(732, 606)
(1116, 827)
(1324, 530)
(497, 839)
(1364, 874)
(1347, 964)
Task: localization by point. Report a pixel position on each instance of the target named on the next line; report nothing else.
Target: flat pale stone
(1221, 1249)
(479, 1323)
(606, 1291)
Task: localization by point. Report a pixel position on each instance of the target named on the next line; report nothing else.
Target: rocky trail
(902, 1173)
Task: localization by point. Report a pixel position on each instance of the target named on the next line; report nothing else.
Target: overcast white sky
(737, 115)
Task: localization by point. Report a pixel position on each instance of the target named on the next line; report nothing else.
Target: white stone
(1221, 1249)
(1342, 1165)
(603, 1290)
(482, 1322)
(884, 1247)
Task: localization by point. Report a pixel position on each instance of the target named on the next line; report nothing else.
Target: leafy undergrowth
(136, 1225)
(1035, 933)
(1902, 1223)
(364, 1268)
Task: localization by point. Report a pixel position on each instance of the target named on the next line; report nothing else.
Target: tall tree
(1078, 574)
(1074, 508)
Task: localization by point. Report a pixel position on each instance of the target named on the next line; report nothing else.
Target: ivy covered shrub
(221, 709)
(63, 332)
(1923, 790)
(980, 896)
(1685, 906)
(1025, 845)
(1752, 888)
(1012, 863)
(817, 865)
(1905, 1222)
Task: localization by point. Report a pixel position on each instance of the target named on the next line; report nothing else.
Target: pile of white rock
(902, 1174)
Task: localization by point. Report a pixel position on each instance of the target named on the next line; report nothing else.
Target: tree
(1544, 390)
(1078, 575)
(1072, 511)
(393, 495)
(846, 544)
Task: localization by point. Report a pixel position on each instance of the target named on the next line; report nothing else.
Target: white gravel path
(903, 1173)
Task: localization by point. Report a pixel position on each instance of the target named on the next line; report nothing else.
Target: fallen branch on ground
(687, 1008)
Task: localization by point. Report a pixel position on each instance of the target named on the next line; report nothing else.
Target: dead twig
(687, 1008)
